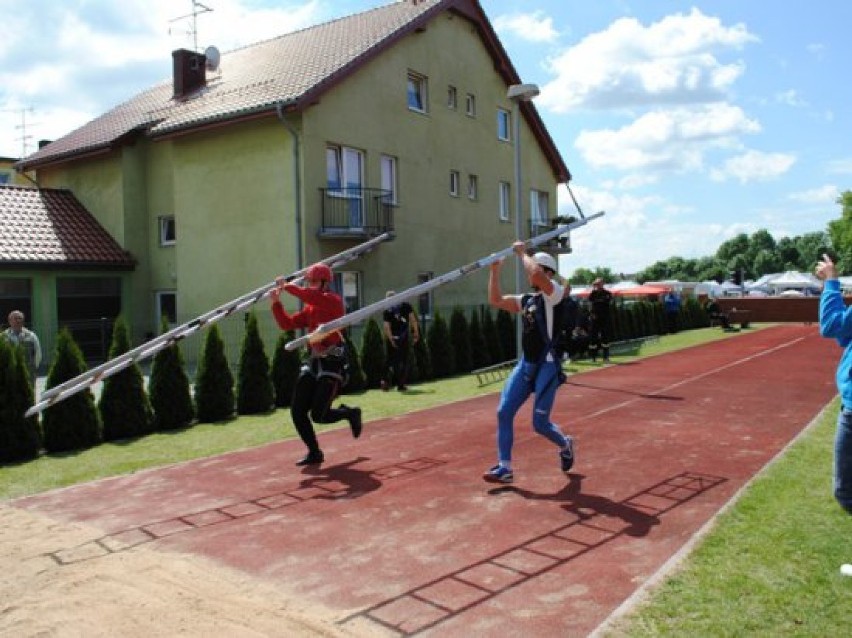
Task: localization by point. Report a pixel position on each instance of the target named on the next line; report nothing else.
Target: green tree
(506, 333)
(357, 380)
(73, 423)
(460, 339)
(440, 348)
(214, 381)
(734, 247)
(373, 353)
(422, 364)
(492, 340)
(171, 399)
(124, 406)
(788, 254)
(285, 369)
(479, 357)
(254, 386)
(766, 262)
(20, 437)
(812, 246)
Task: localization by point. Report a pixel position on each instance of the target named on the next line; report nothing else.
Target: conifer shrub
(460, 339)
(357, 381)
(422, 362)
(373, 353)
(20, 437)
(254, 385)
(124, 406)
(285, 369)
(168, 389)
(73, 423)
(506, 335)
(479, 357)
(492, 339)
(440, 348)
(214, 382)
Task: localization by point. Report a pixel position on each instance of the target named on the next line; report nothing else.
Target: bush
(285, 369)
(460, 339)
(20, 438)
(440, 348)
(254, 387)
(479, 357)
(125, 409)
(422, 369)
(168, 388)
(214, 383)
(492, 339)
(373, 353)
(73, 423)
(357, 381)
(506, 333)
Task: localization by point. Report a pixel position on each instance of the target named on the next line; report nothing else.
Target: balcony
(560, 245)
(355, 213)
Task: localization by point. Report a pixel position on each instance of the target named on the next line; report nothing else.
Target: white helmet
(546, 261)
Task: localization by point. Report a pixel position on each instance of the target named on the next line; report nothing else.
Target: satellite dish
(213, 57)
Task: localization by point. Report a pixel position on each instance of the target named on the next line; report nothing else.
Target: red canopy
(638, 291)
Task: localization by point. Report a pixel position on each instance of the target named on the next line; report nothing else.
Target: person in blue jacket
(835, 321)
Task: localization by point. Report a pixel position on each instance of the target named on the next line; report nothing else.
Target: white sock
(506, 464)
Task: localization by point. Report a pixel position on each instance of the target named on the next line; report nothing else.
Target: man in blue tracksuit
(835, 321)
(539, 371)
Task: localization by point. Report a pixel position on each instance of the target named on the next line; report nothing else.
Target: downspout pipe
(297, 183)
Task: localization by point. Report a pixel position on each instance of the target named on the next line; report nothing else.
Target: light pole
(518, 93)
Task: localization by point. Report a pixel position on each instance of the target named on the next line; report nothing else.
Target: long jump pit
(396, 534)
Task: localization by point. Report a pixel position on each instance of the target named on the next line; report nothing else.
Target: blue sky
(688, 123)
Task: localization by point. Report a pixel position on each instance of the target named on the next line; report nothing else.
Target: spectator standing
(401, 329)
(600, 301)
(18, 335)
(322, 377)
(835, 321)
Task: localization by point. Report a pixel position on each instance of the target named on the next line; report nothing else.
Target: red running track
(400, 536)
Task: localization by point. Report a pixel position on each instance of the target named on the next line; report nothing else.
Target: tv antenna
(22, 127)
(197, 10)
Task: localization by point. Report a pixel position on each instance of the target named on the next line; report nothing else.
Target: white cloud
(841, 166)
(90, 57)
(790, 97)
(672, 61)
(674, 139)
(532, 27)
(754, 166)
(826, 194)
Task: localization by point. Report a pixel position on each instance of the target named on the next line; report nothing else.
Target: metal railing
(560, 245)
(356, 212)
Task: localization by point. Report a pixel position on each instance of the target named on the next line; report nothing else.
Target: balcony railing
(355, 212)
(560, 245)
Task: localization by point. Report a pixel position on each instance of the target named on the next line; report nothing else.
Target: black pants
(312, 397)
(599, 337)
(397, 360)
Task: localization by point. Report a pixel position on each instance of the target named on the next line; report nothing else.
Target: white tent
(793, 280)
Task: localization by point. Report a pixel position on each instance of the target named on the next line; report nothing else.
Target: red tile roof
(50, 228)
(292, 70)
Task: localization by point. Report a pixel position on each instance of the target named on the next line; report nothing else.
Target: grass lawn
(769, 567)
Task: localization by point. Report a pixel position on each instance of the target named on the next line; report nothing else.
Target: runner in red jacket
(322, 376)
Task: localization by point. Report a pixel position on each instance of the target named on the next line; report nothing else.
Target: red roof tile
(50, 227)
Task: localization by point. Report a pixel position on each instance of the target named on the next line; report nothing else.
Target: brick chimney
(189, 71)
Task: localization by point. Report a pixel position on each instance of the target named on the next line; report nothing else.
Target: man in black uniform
(600, 300)
(401, 329)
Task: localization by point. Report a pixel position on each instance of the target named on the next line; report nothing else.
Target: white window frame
(168, 230)
(417, 90)
(505, 200)
(348, 165)
(348, 284)
(455, 178)
(472, 187)
(539, 204)
(504, 125)
(452, 98)
(470, 105)
(390, 178)
(158, 307)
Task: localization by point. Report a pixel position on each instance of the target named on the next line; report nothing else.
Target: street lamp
(518, 93)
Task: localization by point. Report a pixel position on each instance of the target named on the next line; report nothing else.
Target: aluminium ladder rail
(163, 341)
(453, 275)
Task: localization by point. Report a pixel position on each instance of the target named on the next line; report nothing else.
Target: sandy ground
(140, 592)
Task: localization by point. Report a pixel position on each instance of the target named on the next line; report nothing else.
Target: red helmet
(319, 272)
